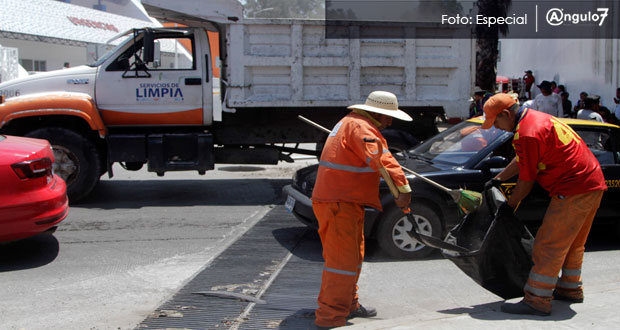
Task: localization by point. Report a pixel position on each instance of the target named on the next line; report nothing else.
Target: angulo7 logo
(557, 17)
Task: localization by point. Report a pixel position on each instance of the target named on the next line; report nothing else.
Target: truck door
(167, 91)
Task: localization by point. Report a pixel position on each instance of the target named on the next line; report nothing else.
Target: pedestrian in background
(551, 153)
(548, 102)
(581, 103)
(348, 180)
(590, 112)
(529, 80)
(606, 114)
(480, 97)
(617, 103)
(562, 89)
(554, 88)
(567, 105)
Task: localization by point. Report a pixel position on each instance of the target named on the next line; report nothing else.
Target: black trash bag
(500, 249)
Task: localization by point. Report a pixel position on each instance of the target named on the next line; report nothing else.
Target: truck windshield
(107, 55)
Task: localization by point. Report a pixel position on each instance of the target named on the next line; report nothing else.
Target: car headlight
(295, 179)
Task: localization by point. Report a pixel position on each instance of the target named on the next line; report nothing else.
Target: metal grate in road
(280, 263)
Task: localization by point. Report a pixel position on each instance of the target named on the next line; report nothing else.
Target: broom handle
(382, 170)
(386, 177)
(314, 124)
(427, 180)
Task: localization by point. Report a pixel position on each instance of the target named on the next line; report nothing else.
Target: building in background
(590, 65)
(128, 8)
(50, 35)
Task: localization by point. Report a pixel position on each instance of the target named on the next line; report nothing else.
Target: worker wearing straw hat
(551, 153)
(348, 180)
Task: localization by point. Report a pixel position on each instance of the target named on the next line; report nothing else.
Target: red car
(33, 199)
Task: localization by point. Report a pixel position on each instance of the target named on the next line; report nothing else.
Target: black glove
(492, 183)
(505, 211)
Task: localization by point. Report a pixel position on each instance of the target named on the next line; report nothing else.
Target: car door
(604, 142)
(165, 92)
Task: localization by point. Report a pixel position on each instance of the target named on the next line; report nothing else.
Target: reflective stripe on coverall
(341, 227)
(346, 170)
(559, 245)
(347, 180)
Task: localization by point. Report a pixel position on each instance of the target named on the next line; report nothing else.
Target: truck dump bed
(290, 63)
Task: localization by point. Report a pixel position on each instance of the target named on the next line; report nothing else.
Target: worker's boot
(522, 308)
(559, 296)
(363, 312)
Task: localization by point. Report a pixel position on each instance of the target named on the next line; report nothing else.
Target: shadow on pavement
(302, 242)
(491, 312)
(312, 250)
(28, 253)
(141, 193)
(375, 254)
(302, 319)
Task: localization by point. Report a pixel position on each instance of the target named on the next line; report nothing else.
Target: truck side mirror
(148, 41)
(157, 54)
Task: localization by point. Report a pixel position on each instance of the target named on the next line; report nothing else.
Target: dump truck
(154, 99)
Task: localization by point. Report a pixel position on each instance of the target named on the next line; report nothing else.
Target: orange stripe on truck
(118, 118)
(54, 103)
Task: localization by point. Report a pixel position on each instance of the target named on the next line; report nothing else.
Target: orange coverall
(551, 153)
(347, 180)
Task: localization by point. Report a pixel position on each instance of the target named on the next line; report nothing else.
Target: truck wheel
(76, 160)
(393, 227)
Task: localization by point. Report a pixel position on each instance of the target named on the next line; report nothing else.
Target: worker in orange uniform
(348, 180)
(551, 153)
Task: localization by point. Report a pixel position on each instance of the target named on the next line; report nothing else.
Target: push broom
(466, 200)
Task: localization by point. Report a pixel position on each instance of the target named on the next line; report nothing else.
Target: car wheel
(76, 160)
(393, 227)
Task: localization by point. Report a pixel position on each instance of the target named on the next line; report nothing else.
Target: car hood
(304, 178)
(423, 167)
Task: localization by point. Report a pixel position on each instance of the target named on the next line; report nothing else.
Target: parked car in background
(463, 156)
(33, 199)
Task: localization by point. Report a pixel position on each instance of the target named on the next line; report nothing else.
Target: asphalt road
(131, 245)
(138, 239)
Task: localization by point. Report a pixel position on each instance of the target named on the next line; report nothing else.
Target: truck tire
(76, 160)
(392, 235)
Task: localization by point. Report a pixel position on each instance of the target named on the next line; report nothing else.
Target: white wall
(55, 55)
(590, 65)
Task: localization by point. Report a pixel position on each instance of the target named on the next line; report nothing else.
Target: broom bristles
(469, 201)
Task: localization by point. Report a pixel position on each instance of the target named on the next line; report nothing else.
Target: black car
(463, 156)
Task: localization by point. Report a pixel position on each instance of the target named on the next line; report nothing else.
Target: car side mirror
(493, 162)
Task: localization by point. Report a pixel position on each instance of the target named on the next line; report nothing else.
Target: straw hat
(384, 103)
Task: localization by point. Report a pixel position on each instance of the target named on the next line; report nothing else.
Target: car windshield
(456, 145)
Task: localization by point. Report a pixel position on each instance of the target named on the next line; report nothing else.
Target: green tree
(285, 8)
(487, 42)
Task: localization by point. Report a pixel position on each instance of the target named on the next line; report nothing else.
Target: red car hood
(14, 149)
